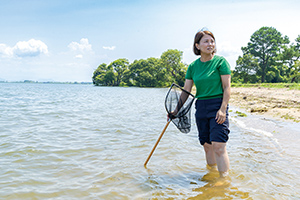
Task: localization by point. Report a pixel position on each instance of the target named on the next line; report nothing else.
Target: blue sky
(55, 40)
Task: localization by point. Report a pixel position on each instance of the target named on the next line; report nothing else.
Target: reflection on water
(217, 187)
(85, 142)
(196, 186)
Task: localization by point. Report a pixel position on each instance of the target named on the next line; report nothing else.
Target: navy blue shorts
(208, 129)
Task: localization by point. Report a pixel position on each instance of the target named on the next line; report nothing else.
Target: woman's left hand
(221, 116)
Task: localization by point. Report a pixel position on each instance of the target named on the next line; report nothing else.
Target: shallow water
(83, 142)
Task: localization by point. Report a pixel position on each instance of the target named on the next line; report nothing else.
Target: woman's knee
(208, 148)
(219, 148)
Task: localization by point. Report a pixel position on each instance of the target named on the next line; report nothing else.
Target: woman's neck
(206, 57)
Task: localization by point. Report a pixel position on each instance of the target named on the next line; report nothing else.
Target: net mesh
(178, 104)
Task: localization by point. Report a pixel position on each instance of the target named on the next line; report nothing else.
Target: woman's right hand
(168, 118)
(171, 115)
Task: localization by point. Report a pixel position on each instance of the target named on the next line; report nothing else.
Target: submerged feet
(214, 178)
(214, 168)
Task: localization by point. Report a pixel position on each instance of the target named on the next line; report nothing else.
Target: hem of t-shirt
(226, 74)
(211, 97)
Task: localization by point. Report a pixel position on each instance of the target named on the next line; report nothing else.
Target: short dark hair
(197, 39)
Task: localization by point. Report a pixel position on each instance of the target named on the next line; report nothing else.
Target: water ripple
(83, 142)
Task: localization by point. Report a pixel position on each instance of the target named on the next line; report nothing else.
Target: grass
(288, 117)
(291, 86)
(240, 114)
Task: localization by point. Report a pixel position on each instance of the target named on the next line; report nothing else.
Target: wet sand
(283, 104)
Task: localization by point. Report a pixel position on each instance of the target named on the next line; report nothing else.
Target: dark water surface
(83, 142)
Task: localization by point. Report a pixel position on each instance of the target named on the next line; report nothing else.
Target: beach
(278, 103)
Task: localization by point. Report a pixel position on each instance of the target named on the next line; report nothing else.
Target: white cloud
(226, 49)
(230, 52)
(5, 50)
(79, 56)
(82, 46)
(110, 48)
(28, 48)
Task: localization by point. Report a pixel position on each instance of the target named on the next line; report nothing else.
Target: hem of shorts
(211, 142)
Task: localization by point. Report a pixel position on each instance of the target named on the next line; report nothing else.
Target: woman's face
(206, 45)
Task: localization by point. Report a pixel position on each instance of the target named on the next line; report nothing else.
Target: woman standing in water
(211, 75)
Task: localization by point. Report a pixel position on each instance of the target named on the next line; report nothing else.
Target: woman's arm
(221, 114)
(188, 84)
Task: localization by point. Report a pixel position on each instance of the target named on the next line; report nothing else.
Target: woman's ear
(197, 46)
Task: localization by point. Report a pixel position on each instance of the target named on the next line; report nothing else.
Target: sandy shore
(277, 103)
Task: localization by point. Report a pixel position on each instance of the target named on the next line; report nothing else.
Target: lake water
(60, 141)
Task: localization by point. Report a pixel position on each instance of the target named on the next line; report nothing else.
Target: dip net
(178, 104)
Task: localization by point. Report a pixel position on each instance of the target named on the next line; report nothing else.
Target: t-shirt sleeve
(188, 74)
(224, 67)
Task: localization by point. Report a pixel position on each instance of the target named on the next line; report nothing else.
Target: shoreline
(282, 104)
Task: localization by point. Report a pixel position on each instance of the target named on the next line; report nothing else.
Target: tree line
(268, 57)
(151, 72)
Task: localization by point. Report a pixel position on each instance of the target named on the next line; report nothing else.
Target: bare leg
(209, 154)
(221, 157)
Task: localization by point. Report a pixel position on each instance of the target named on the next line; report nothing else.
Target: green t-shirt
(207, 76)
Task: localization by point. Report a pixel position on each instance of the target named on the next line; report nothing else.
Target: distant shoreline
(48, 82)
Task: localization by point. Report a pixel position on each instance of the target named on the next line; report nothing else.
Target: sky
(55, 40)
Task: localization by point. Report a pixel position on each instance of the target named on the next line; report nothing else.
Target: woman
(211, 75)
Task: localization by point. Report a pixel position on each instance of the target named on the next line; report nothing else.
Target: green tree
(102, 75)
(265, 45)
(286, 61)
(99, 72)
(171, 61)
(119, 67)
(246, 68)
(297, 48)
(295, 74)
(295, 71)
(147, 73)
